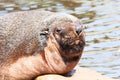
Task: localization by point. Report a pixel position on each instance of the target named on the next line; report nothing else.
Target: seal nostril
(78, 30)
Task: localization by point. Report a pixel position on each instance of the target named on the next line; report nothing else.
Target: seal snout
(70, 37)
(78, 30)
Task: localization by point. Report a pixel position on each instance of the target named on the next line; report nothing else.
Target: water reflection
(102, 21)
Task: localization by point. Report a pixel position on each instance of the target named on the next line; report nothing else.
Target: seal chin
(75, 49)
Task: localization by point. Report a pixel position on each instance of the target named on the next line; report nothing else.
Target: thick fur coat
(32, 43)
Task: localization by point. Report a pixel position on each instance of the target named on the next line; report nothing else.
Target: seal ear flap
(44, 32)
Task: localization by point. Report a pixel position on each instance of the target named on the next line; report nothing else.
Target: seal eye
(58, 30)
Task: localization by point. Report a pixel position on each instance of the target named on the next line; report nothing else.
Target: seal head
(70, 37)
(64, 47)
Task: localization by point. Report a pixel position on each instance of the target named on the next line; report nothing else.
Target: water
(101, 19)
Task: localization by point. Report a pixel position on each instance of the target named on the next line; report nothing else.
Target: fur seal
(34, 43)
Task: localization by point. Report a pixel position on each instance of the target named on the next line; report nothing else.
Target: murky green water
(102, 21)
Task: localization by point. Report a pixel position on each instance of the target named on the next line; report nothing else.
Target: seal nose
(78, 30)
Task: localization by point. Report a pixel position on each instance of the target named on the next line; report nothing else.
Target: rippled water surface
(101, 19)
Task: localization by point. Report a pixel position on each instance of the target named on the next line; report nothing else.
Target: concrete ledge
(80, 74)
